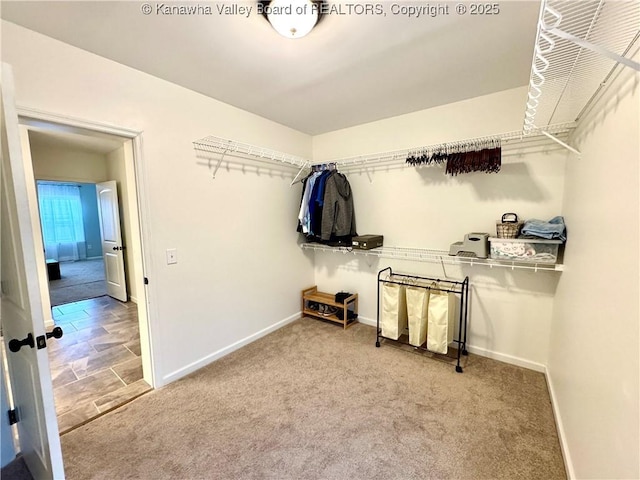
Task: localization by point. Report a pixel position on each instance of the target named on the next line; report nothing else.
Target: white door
(112, 248)
(21, 304)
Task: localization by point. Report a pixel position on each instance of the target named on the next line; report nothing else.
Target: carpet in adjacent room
(79, 280)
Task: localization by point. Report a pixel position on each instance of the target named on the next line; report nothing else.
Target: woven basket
(509, 226)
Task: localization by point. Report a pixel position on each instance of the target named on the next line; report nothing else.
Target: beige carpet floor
(313, 401)
(79, 280)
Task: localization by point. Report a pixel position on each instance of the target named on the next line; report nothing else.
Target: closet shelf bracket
(295, 179)
(560, 142)
(595, 48)
(213, 175)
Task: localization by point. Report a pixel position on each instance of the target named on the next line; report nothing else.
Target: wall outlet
(172, 256)
(89, 246)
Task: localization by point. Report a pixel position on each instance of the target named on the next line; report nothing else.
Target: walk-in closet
(400, 240)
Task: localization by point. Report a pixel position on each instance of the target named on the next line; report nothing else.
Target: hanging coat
(338, 216)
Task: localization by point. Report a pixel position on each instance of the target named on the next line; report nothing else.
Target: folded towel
(554, 229)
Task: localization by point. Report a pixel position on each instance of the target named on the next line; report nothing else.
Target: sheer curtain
(61, 219)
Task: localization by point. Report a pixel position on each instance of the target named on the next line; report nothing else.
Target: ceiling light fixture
(292, 18)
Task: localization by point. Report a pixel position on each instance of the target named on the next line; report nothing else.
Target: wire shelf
(578, 44)
(432, 256)
(513, 143)
(222, 146)
(517, 142)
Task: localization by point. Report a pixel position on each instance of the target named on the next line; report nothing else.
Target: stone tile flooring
(96, 365)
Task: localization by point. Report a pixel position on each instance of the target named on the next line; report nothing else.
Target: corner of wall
(601, 199)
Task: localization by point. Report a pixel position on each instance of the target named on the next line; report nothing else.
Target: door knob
(16, 345)
(55, 333)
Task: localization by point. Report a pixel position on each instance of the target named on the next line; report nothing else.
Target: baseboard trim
(520, 362)
(564, 446)
(367, 321)
(503, 357)
(192, 367)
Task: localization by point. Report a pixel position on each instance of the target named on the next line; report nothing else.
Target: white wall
(594, 349)
(235, 235)
(52, 162)
(510, 317)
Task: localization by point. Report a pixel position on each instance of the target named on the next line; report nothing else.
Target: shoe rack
(323, 305)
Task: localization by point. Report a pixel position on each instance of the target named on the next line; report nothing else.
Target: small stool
(53, 269)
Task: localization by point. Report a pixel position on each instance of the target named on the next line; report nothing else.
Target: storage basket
(509, 226)
(524, 249)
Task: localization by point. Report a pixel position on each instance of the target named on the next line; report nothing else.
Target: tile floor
(96, 365)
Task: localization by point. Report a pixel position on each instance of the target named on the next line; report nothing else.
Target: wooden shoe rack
(326, 301)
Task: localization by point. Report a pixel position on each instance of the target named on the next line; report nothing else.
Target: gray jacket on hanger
(338, 216)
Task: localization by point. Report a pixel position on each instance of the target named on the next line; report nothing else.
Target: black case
(342, 296)
(367, 242)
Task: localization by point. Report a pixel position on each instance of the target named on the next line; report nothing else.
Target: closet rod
(518, 135)
(223, 146)
(217, 148)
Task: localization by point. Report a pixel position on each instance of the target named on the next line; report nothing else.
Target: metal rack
(433, 256)
(450, 286)
(513, 143)
(217, 149)
(578, 45)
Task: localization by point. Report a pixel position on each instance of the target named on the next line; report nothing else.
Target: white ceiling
(351, 69)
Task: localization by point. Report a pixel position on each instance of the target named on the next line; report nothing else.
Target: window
(61, 220)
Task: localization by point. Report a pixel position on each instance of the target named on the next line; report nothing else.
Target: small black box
(366, 242)
(342, 296)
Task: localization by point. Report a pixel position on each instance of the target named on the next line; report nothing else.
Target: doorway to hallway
(97, 365)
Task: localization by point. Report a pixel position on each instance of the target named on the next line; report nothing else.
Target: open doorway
(97, 365)
(70, 225)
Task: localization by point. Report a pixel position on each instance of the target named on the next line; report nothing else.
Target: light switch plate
(172, 256)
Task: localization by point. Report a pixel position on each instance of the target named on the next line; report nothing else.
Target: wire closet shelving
(578, 46)
(433, 256)
(217, 149)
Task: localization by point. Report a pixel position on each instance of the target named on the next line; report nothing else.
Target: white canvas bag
(393, 319)
(441, 320)
(417, 305)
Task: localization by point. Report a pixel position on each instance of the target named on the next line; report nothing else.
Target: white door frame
(146, 309)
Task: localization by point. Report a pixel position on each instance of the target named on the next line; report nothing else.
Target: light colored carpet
(16, 470)
(313, 401)
(80, 280)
